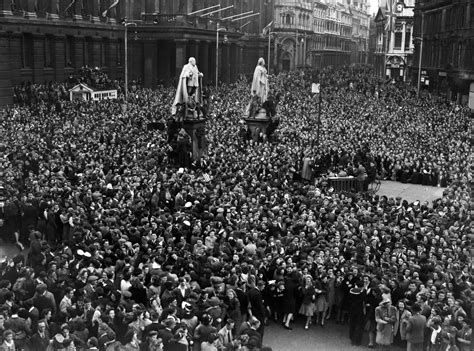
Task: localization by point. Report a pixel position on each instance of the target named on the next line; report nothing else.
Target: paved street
(410, 192)
(333, 337)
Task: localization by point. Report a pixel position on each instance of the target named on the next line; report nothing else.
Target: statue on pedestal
(188, 100)
(259, 89)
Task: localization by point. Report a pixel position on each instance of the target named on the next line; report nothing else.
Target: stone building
(394, 44)
(49, 40)
(447, 31)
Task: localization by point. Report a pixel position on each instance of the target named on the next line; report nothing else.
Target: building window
(27, 50)
(407, 39)
(398, 40)
(288, 19)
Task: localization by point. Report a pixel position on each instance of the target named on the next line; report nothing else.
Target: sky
(374, 5)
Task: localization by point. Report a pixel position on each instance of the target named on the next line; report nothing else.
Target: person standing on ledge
(189, 86)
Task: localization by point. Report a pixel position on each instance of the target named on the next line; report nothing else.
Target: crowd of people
(128, 252)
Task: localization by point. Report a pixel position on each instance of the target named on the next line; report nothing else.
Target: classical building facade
(318, 33)
(395, 44)
(293, 29)
(447, 58)
(49, 40)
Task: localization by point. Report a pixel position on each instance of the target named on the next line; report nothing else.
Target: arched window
(288, 19)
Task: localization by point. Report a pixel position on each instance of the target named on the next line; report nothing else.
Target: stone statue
(260, 81)
(189, 91)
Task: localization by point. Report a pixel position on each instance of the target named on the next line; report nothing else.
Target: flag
(390, 14)
(268, 28)
(115, 3)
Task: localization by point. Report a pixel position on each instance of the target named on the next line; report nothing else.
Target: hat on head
(92, 278)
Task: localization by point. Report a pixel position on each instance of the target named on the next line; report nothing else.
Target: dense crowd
(128, 252)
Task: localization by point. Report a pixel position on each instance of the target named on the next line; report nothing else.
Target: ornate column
(6, 92)
(149, 64)
(94, 10)
(112, 43)
(5, 8)
(226, 63)
(79, 50)
(15, 53)
(212, 62)
(38, 58)
(59, 59)
(53, 10)
(96, 51)
(240, 58)
(404, 27)
(180, 55)
(203, 59)
(194, 50)
(77, 10)
(30, 11)
(163, 56)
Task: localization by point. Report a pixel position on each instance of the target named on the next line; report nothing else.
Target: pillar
(96, 51)
(240, 58)
(15, 53)
(94, 10)
(203, 59)
(211, 61)
(53, 10)
(5, 9)
(59, 59)
(180, 55)
(149, 64)
(112, 58)
(226, 67)
(403, 35)
(392, 41)
(30, 11)
(164, 58)
(6, 92)
(77, 10)
(38, 58)
(112, 12)
(194, 50)
(79, 51)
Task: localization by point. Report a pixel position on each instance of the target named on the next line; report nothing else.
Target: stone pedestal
(196, 128)
(257, 126)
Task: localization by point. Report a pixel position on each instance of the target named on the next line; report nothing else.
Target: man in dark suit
(416, 329)
(257, 308)
(182, 291)
(39, 340)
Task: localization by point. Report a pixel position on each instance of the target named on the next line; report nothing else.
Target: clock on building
(400, 6)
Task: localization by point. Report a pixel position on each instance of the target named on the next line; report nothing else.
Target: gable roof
(380, 17)
(81, 87)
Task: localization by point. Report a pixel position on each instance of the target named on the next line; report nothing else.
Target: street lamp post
(126, 24)
(269, 43)
(421, 54)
